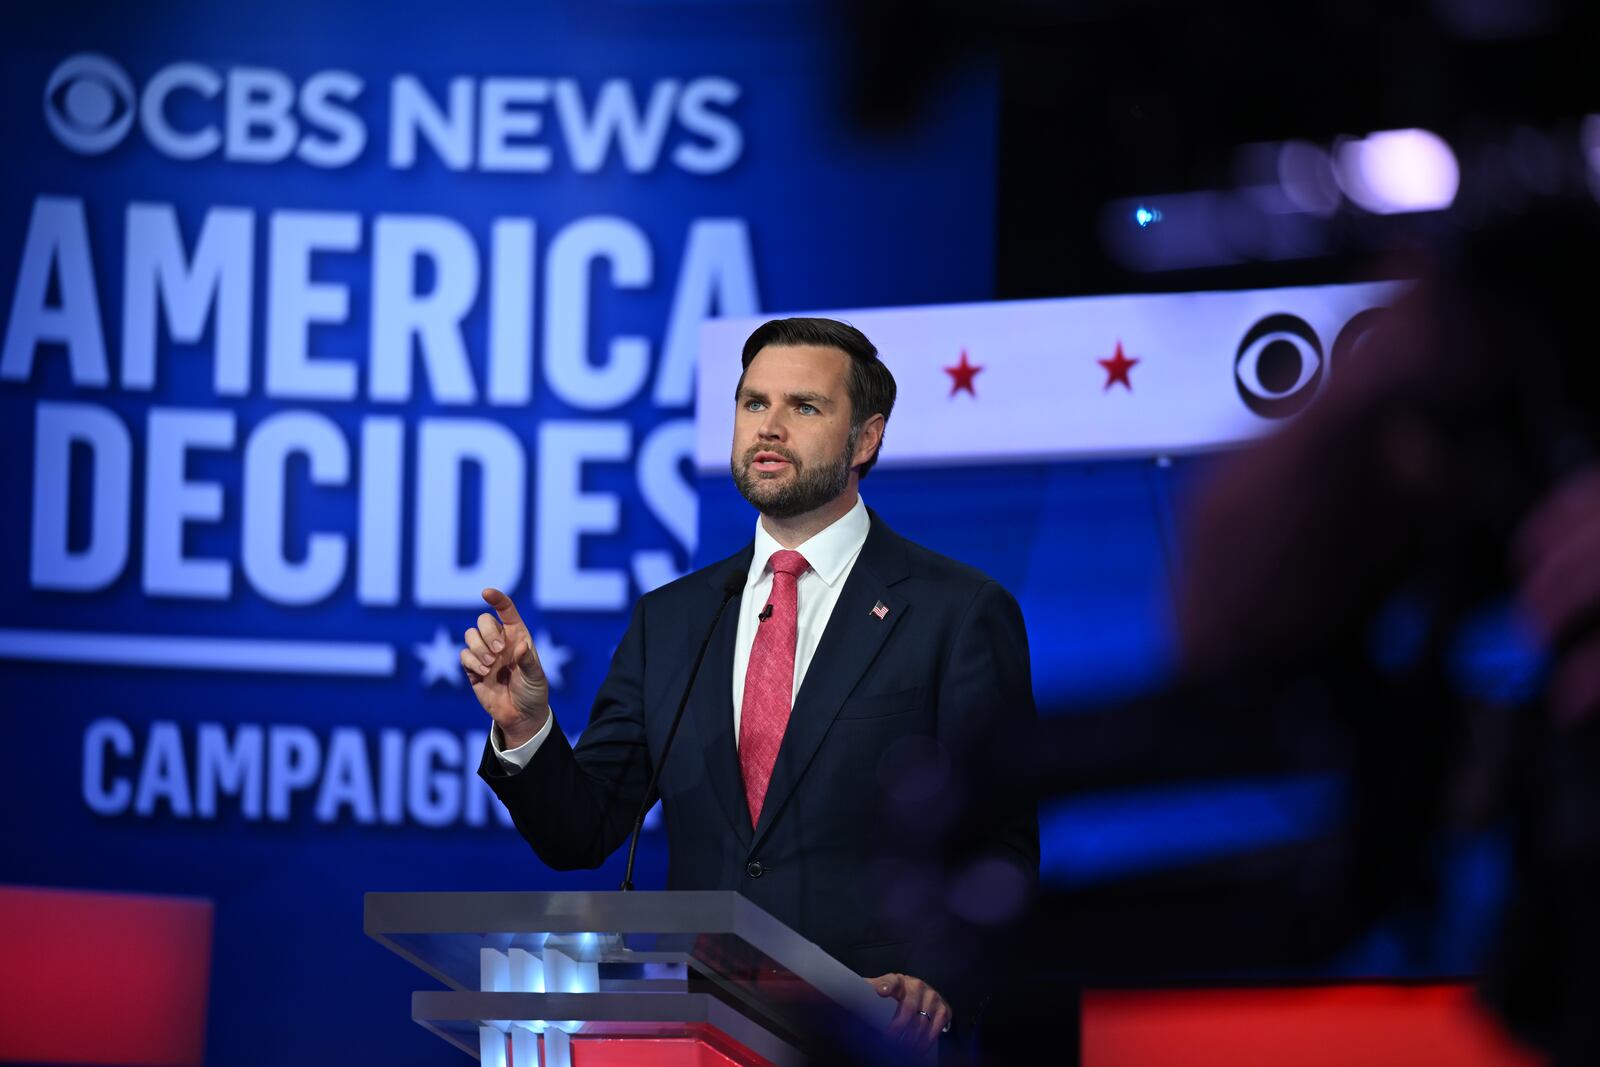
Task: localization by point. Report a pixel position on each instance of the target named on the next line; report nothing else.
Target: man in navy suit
(853, 651)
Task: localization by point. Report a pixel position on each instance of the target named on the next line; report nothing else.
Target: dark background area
(1102, 101)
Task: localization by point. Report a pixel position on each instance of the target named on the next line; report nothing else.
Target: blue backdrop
(321, 317)
(318, 319)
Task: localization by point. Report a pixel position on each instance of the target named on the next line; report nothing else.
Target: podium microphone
(732, 586)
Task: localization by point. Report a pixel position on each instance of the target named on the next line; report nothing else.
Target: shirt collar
(829, 551)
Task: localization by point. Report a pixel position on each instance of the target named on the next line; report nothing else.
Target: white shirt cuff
(515, 759)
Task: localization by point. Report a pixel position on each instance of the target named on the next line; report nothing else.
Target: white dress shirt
(831, 553)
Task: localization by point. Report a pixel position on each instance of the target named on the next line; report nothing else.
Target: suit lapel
(711, 706)
(850, 642)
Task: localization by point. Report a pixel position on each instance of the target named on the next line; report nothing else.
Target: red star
(961, 376)
(1117, 368)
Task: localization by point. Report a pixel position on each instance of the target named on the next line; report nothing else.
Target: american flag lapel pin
(881, 610)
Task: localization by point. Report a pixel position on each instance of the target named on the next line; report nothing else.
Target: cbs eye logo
(89, 103)
(1280, 362)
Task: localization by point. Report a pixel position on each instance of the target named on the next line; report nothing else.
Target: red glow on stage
(103, 978)
(1373, 1025)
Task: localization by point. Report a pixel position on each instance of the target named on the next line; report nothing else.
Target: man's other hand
(922, 1014)
(503, 667)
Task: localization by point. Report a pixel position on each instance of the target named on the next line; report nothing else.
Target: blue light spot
(1099, 838)
(1144, 216)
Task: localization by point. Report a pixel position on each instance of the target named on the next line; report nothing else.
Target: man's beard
(808, 490)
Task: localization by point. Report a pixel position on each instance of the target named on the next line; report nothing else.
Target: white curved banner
(1083, 377)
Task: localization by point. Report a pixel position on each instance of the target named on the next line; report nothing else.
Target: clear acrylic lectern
(648, 979)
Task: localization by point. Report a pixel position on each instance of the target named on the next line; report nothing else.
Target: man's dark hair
(869, 384)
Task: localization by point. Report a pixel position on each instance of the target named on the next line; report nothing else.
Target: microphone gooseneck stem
(731, 587)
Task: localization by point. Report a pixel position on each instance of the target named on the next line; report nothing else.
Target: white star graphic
(552, 657)
(441, 659)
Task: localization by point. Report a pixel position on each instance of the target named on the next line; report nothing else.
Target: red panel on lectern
(1373, 1025)
(103, 978)
(648, 1052)
(659, 1045)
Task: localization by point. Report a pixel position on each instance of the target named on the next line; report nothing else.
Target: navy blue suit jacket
(948, 662)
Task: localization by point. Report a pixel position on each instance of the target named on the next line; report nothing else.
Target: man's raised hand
(503, 667)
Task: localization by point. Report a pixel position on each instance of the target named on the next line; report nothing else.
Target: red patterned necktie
(769, 682)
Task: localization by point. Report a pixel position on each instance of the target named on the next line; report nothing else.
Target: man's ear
(870, 438)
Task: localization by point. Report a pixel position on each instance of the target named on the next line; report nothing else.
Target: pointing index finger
(503, 607)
